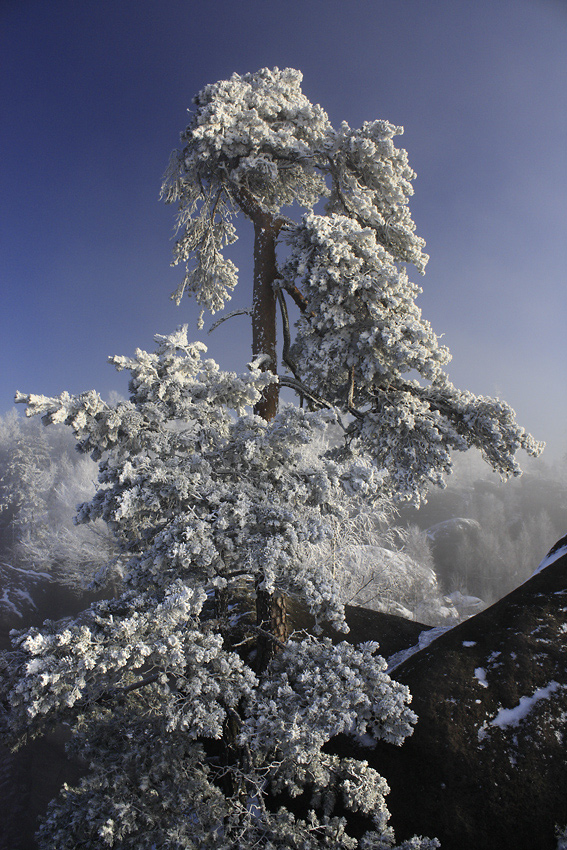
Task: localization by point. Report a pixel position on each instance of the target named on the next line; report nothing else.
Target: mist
(466, 547)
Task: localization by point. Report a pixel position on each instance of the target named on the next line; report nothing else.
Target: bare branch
(117, 693)
(141, 683)
(350, 404)
(259, 631)
(301, 389)
(286, 357)
(215, 325)
(297, 296)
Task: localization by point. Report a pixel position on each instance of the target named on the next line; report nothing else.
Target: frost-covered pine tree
(196, 736)
(256, 145)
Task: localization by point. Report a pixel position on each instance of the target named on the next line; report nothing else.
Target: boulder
(485, 768)
(393, 634)
(445, 539)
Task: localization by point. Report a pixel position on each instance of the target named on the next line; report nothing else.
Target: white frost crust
(550, 559)
(513, 716)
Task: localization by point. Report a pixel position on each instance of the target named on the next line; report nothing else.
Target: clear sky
(94, 94)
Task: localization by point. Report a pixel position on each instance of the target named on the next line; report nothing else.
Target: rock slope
(486, 767)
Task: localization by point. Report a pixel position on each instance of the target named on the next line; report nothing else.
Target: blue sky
(95, 93)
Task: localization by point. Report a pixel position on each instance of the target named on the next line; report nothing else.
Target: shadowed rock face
(28, 597)
(23, 595)
(486, 767)
(392, 633)
(31, 777)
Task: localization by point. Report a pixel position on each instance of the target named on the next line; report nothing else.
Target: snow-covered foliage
(256, 144)
(28, 473)
(380, 566)
(257, 132)
(186, 741)
(392, 582)
(194, 735)
(248, 493)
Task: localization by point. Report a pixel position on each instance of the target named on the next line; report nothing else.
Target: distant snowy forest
(463, 549)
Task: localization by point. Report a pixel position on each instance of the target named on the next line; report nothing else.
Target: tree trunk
(271, 613)
(271, 616)
(264, 307)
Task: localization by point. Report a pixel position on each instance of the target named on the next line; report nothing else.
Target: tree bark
(271, 612)
(266, 229)
(264, 307)
(271, 616)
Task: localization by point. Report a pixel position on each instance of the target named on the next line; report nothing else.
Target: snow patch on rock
(426, 637)
(553, 555)
(480, 674)
(513, 716)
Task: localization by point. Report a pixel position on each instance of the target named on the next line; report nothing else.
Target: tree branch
(298, 297)
(252, 208)
(301, 389)
(350, 403)
(215, 325)
(286, 357)
(268, 635)
(141, 683)
(116, 693)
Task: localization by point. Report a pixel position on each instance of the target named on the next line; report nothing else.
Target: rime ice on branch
(256, 145)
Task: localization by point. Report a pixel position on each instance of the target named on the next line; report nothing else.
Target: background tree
(506, 529)
(28, 474)
(42, 480)
(191, 729)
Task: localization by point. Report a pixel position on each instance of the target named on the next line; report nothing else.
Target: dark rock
(485, 768)
(32, 776)
(28, 597)
(446, 538)
(23, 593)
(392, 633)
(29, 779)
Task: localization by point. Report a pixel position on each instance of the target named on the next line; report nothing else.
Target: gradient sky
(94, 94)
